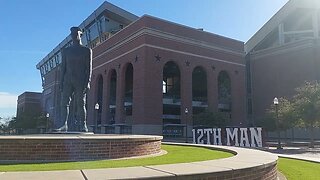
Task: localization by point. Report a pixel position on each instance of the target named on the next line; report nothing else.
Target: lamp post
(96, 107)
(47, 121)
(186, 111)
(276, 103)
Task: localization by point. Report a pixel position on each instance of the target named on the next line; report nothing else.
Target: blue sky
(30, 29)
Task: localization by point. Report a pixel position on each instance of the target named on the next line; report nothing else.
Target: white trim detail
(51, 84)
(190, 41)
(168, 36)
(110, 61)
(166, 49)
(195, 55)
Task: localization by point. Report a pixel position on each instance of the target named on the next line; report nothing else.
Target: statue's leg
(81, 110)
(65, 104)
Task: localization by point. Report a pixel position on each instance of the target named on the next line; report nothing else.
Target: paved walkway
(303, 153)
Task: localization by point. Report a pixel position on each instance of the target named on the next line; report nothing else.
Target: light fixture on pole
(186, 111)
(276, 103)
(96, 107)
(47, 121)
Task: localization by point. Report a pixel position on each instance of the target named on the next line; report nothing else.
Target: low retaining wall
(53, 148)
(247, 164)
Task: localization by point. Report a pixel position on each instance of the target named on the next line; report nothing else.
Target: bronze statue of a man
(76, 69)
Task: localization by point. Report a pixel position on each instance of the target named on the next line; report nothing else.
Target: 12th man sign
(244, 137)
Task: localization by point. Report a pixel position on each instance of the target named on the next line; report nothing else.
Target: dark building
(282, 55)
(29, 103)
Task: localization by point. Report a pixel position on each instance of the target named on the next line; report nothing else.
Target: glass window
(51, 63)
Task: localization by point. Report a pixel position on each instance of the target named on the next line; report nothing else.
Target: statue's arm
(89, 69)
(63, 68)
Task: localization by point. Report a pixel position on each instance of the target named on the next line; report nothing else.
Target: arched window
(224, 91)
(171, 93)
(199, 90)
(171, 80)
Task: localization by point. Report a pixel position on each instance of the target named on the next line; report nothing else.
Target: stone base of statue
(69, 132)
(74, 127)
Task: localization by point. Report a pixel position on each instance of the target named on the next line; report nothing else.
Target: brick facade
(72, 148)
(148, 44)
(29, 103)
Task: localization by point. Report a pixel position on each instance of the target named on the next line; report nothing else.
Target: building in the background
(156, 73)
(149, 73)
(29, 103)
(282, 55)
(99, 26)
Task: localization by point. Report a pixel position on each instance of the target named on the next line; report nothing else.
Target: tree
(306, 104)
(30, 121)
(286, 117)
(211, 119)
(5, 125)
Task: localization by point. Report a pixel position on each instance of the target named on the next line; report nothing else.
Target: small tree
(285, 119)
(5, 125)
(29, 121)
(286, 116)
(307, 105)
(211, 119)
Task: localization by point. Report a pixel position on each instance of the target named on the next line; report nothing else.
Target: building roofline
(276, 19)
(193, 28)
(104, 6)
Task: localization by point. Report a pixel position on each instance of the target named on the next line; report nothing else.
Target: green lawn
(176, 154)
(297, 169)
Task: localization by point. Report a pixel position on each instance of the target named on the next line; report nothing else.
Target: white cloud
(8, 100)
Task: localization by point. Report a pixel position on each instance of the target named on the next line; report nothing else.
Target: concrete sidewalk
(302, 153)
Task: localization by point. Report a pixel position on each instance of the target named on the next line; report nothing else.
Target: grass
(298, 169)
(176, 154)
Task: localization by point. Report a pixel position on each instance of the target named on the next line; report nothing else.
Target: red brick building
(29, 103)
(151, 72)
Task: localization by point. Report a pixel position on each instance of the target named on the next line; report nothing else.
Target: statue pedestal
(75, 146)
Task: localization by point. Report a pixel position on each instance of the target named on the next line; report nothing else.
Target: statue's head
(76, 34)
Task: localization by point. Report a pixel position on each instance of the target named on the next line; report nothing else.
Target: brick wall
(50, 150)
(260, 172)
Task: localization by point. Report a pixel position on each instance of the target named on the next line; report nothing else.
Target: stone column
(119, 117)
(238, 94)
(105, 101)
(90, 104)
(186, 97)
